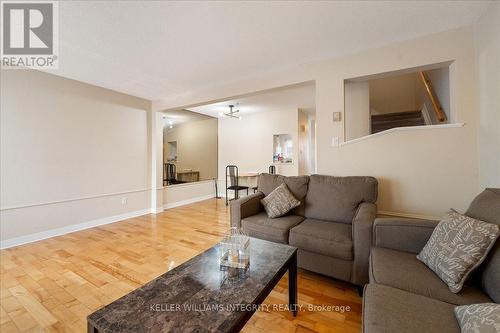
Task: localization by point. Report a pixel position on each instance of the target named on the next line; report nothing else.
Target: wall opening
(414, 97)
(189, 147)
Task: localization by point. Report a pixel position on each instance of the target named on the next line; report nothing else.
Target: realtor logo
(29, 34)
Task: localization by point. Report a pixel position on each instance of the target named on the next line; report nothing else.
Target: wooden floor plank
(42, 316)
(52, 285)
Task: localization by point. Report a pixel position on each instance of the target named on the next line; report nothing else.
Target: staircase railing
(438, 109)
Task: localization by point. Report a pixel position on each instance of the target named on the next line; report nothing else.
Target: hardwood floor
(52, 285)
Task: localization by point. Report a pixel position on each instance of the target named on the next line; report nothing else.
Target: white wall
(70, 152)
(440, 79)
(408, 186)
(248, 143)
(196, 146)
(487, 43)
(357, 109)
(394, 94)
(182, 194)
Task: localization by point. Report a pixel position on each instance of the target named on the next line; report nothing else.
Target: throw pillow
(475, 318)
(457, 246)
(279, 202)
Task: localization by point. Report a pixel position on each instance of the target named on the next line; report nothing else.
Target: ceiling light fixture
(232, 113)
(170, 122)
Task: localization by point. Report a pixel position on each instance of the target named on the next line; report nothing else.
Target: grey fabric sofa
(404, 295)
(332, 227)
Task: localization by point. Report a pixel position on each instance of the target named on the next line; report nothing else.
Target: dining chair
(272, 169)
(233, 175)
(171, 174)
(165, 178)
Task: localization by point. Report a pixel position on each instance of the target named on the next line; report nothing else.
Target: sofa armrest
(244, 207)
(362, 228)
(402, 234)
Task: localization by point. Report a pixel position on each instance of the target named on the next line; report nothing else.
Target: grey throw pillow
(475, 318)
(279, 202)
(457, 246)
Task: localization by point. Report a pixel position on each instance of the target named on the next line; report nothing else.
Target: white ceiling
(152, 49)
(298, 97)
(177, 117)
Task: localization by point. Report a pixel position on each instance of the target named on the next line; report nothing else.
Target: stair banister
(438, 110)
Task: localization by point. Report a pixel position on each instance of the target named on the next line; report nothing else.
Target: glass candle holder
(234, 251)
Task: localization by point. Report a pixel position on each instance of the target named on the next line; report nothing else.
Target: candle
(233, 256)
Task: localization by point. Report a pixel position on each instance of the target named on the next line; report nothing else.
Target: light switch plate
(337, 116)
(335, 141)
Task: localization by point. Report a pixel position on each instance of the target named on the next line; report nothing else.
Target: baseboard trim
(70, 228)
(12, 242)
(157, 210)
(413, 216)
(188, 201)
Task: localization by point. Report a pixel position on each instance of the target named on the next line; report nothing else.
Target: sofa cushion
(323, 237)
(279, 202)
(297, 185)
(457, 246)
(325, 265)
(486, 207)
(275, 230)
(337, 198)
(387, 309)
(404, 271)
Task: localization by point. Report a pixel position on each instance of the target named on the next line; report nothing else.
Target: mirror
(282, 148)
(189, 147)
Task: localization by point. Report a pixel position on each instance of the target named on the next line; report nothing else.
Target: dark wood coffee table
(198, 297)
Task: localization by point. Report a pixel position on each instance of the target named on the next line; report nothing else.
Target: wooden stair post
(438, 110)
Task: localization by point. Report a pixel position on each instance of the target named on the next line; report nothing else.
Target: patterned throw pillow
(279, 202)
(457, 246)
(484, 318)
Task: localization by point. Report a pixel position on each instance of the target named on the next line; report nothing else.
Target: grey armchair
(404, 295)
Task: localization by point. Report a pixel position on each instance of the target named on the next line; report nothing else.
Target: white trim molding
(46, 203)
(94, 223)
(188, 201)
(407, 215)
(70, 228)
(399, 129)
(157, 210)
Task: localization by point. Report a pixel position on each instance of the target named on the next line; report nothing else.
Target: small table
(248, 174)
(198, 296)
(250, 177)
(188, 176)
